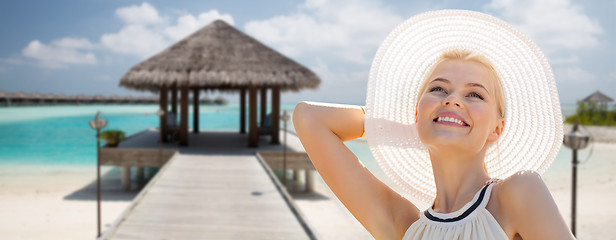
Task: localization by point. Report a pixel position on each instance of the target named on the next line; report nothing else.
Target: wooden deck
(216, 188)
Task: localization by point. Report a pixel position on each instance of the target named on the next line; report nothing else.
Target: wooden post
(196, 110)
(295, 174)
(126, 177)
(309, 180)
(263, 105)
(140, 174)
(174, 99)
(253, 134)
(276, 115)
(243, 110)
(164, 106)
(184, 116)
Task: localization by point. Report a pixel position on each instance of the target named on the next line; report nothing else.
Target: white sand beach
(59, 202)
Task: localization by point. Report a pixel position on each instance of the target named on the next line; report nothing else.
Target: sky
(86, 46)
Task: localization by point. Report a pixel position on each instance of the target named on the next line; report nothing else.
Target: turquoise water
(61, 135)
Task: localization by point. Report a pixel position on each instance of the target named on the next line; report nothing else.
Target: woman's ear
(498, 130)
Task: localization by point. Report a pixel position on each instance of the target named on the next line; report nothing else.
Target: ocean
(61, 135)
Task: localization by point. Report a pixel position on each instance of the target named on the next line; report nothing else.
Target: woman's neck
(458, 176)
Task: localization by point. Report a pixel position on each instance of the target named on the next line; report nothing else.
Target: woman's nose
(451, 100)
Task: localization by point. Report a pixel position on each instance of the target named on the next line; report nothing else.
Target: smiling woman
(435, 104)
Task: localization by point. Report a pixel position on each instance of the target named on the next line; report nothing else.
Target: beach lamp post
(574, 140)
(285, 118)
(98, 123)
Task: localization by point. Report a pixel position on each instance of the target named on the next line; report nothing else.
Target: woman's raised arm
(322, 129)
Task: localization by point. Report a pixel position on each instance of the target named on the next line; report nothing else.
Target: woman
(450, 117)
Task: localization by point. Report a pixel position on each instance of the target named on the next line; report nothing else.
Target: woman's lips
(450, 121)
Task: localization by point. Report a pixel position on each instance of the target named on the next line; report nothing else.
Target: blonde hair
(468, 55)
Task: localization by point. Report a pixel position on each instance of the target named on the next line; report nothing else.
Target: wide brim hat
(533, 131)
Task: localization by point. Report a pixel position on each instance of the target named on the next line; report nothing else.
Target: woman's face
(458, 108)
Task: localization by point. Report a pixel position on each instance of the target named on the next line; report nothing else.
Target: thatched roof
(19, 95)
(219, 56)
(35, 95)
(597, 97)
(49, 96)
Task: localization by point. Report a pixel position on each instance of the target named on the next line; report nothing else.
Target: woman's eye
(437, 89)
(474, 94)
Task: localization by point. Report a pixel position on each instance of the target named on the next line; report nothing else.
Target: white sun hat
(533, 131)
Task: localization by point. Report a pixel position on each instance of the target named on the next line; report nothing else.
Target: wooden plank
(295, 160)
(134, 157)
(209, 197)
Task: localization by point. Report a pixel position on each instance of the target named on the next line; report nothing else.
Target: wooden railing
(134, 157)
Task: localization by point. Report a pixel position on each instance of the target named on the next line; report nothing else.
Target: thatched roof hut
(599, 98)
(218, 56)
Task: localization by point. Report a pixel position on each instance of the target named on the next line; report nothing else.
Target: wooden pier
(216, 188)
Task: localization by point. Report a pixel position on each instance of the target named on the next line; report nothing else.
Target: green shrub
(589, 113)
(113, 137)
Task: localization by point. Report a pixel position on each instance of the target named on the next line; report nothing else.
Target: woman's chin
(447, 141)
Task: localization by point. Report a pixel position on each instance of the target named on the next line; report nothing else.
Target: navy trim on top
(463, 215)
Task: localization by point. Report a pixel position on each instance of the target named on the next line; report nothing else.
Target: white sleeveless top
(473, 221)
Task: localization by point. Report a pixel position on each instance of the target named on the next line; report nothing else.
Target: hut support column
(196, 110)
(263, 105)
(184, 116)
(163, 106)
(174, 100)
(253, 134)
(243, 110)
(276, 115)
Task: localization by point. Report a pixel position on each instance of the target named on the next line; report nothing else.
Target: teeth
(450, 119)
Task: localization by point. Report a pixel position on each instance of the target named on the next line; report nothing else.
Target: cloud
(350, 30)
(146, 33)
(61, 53)
(136, 40)
(188, 23)
(144, 14)
(554, 24)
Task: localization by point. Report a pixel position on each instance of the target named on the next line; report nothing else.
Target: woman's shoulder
(520, 197)
(520, 188)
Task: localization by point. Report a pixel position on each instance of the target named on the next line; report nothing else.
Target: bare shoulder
(519, 185)
(529, 209)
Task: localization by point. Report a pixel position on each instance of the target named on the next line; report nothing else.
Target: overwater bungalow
(98, 98)
(49, 98)
(19, 97)
(206, 100)
(36, 97)
(220, 57)
(4, 98)
(61, 98)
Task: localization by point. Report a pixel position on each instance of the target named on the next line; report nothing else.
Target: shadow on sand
(111, 187)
